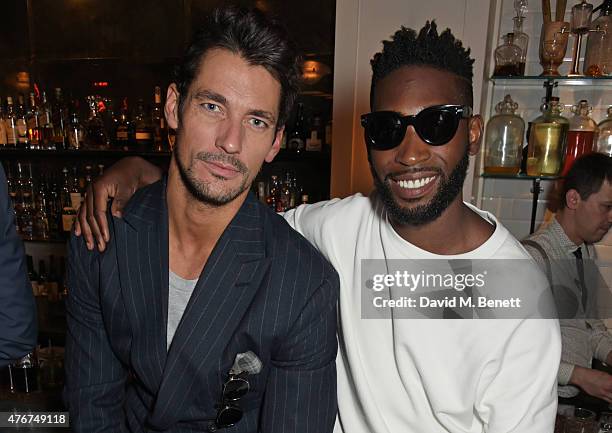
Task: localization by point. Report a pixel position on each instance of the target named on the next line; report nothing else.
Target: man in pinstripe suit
(207, 311)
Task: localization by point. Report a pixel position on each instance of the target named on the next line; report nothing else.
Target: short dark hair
(442, 52)
(259, 40)
(587, 174)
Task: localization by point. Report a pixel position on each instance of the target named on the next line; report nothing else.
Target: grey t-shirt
(180, 291)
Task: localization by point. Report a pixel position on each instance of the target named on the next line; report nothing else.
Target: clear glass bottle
(12, 135)
(507, 57)
(581, 135)
(76, 133)
(598, 57)
(143, 128)
(504, 139)
(521, 40)
(604, 137)
(33, 127)
(124, 132)
(45, 121)
(60, 120)
(547, 140)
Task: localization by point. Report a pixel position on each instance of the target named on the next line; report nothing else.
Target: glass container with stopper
(507, 58)
(95, 135)
(604, 137)
(580, 138)
(504, 139)
(598, 57)
(521, 40)
(580, 23)
(547, 140)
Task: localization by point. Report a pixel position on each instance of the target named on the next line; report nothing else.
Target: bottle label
(143, 135)
(122, 136)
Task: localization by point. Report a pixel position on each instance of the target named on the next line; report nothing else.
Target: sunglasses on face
(234, 389)
(435, 125)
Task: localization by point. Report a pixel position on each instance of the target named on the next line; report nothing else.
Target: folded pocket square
(246, 362)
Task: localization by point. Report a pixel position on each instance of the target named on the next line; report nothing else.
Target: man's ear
(572, 199)
(475, 126)
(278, 138)
(172, 106)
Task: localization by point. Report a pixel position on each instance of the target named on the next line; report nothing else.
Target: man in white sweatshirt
(395, 374)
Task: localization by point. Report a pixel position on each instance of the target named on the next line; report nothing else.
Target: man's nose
(412, 150)
(231, 135)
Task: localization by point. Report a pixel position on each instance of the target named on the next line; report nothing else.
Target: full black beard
(447, 192)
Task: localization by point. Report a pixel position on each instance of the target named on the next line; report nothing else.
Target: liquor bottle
(41, 224)
(3, 134)
(285, 193)
(159, 122)
(54, 210)
(604, 138)
(581, 135)
(45, 121)
(11, 123)
(504, 139)
(76, 133)
(314, 142)
(547, 140)
(273, 199)
(23, 140)
(143, 128)
(295, 141)
(95, 132)
(124, 130)
(32, 115)
(16, 195)
(507, 57)
(60, 121)
(598, 57)
(76, 196)
(26, 218)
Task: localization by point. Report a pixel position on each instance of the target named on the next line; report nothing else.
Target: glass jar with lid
(504, 139)
(598, 57)
(604, 137)
(581, 135)
(547, 140)
(508, 58)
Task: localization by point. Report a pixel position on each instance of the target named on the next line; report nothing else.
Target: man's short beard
(202, 191)
(447, 192)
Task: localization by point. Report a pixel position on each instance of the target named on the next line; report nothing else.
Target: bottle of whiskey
(23, 140)
(123, 132)
(143, 128)
(60, 120)
(76, 133)
(32, 115)
(45, 121)
(11, 123)
(95, 133)
(159, 123)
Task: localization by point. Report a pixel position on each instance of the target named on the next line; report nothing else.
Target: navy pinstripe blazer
(264, 288)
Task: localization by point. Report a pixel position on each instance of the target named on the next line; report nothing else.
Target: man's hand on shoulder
(593, 382)
(119, 182)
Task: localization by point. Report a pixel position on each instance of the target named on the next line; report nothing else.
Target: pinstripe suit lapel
(143, 276)
(221, 297)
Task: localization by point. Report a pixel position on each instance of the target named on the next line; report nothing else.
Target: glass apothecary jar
(504, 139)
(581, 135)
(547, 140)
(508, 58)
(604, 137)
(598, 57)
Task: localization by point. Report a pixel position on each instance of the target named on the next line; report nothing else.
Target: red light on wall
(100, 83)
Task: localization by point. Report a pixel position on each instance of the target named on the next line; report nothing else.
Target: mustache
(225, 159)
(414, 170)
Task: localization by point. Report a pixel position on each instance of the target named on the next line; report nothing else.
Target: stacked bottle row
(46, 204)
(554, 142)
(281, 195)
(58, 125)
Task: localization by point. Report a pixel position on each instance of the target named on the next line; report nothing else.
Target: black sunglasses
(234, 389)
(435, 125)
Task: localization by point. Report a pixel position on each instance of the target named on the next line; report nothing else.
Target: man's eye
(211, 107)
(258, 123)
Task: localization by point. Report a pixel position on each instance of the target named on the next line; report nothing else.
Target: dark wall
(133, 45)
